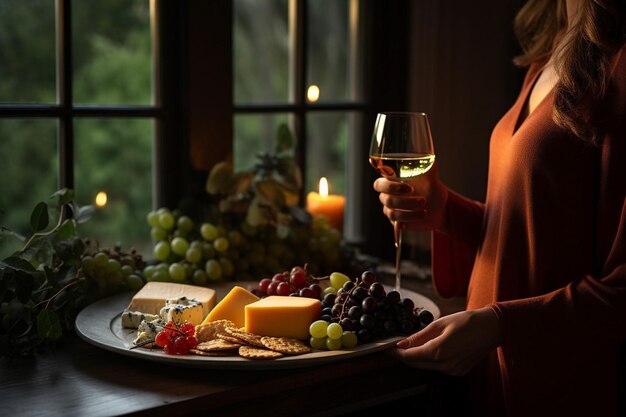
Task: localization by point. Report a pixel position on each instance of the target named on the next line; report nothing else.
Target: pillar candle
(329, 205)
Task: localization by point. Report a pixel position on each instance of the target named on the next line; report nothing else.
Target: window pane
(112, 52)
(28, 157)
(27, 51)
(255, 134)
(327, 135)
(115, 156)
(328, 48)
(261, 51)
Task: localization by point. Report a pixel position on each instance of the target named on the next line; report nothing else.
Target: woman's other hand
(452, 344)
(417, 204)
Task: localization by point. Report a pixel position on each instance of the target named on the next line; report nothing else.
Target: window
(78, 110)
(299, 62)
(139, 98)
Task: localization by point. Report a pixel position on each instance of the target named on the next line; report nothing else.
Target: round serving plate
(100, 324)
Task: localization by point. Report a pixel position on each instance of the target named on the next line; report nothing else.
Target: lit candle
(329, 205)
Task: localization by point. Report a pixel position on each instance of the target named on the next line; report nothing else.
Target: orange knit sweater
(547, 249)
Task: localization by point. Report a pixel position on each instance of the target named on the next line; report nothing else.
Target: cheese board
(100, 324)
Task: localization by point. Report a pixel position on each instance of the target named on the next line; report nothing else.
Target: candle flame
(101, 199)
(323, 187)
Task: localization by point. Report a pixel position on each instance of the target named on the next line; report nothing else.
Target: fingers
(423, 356)
(405, 202)
(448, 344)
(419, 338)
(431, 356)
(383, 185)
(405, 216)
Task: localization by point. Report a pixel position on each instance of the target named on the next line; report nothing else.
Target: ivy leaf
(66, 230)
(83, 213)
(66, 274)
(63, 196)
(39, 252)
(17, 264)
(42, 286)
(60, 300)
(39, 218)
(48, 325)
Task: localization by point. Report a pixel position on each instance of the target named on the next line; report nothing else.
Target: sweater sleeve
(453, 253)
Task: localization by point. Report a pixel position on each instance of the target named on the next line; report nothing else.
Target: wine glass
(401, 149)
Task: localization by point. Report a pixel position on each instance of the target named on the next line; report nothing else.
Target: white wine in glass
(401, 149)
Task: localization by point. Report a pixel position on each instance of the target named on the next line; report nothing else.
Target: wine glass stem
(398, 241)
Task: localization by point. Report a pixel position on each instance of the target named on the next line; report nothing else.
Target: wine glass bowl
(401, 149)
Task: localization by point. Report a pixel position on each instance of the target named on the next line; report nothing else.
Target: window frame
(65, 111)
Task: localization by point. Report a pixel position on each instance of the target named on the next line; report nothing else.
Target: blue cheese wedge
(148, 329)
(132, 319)
(180, 313)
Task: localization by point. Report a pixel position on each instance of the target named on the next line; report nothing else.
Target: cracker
(249, 338)
(285, 345)
(230, 338)
(253, 352)
(218, 353)
(209, 331)
(217, 345)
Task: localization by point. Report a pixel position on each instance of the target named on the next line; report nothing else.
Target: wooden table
(78, 379)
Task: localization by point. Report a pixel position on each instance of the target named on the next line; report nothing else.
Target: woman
(543, 260)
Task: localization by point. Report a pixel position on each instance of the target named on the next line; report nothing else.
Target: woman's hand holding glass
(418, 204)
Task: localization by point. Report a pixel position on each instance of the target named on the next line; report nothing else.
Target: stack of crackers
(222, 338)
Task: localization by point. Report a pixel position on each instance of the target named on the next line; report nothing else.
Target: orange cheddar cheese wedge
(231, 307)
(281, 316)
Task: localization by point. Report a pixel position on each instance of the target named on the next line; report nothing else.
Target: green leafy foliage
(39, 219)
(43, 285)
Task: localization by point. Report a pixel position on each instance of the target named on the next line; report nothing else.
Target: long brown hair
(583, 57)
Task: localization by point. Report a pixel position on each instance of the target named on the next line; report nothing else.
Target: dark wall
(459, 71)
(463, 77)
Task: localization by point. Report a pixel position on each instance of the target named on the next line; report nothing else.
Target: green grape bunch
(248, 225)
(113, 270)
(203, 251)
